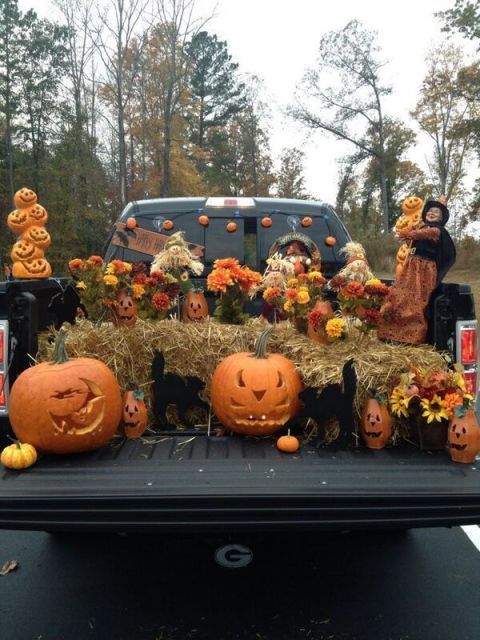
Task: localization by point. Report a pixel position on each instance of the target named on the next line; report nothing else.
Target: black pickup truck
(186, 481)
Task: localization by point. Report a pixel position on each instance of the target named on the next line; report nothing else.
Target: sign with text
(148, 242)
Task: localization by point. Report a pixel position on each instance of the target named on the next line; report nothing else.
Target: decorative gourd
(307, 221)
(330, 241)
(18, 456)
(168, 225)
(66, 406)
(25, 198)
(256, 393)
(135, 419)
(266, 222)
(125, 310)
(375, 424)
(24, 250)
(288, 443)
(464, 437)
(203, 220)
(131, 223)
(195, 307)
(231, 227)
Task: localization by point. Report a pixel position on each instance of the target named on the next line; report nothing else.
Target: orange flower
(352, 290)
(118, 266)
(226, 263)
(76, 263)
(92, 260)
(303, 277)
(160, 301)
(246, 278)
(291, 294)
(452, 400)
(271, 293)
(219, 280)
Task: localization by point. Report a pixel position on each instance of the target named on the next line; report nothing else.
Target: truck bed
(192, 482)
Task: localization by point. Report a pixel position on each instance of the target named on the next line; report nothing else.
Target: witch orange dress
(403, 313)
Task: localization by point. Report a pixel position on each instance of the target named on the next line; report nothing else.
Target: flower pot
(464, 438)
(429, 436)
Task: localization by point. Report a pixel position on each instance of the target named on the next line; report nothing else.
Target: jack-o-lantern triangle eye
(240, 380)
(281, 379)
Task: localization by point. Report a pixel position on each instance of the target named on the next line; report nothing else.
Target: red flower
(140, 278)
(151, 282)
(139, 267)
(158, 275)
(372, 316)
(337, 282)
(160, 301)
(352, 290)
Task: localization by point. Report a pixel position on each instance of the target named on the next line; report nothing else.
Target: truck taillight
(467, 352)
(468, 345)
(3, 367)
(470, 378)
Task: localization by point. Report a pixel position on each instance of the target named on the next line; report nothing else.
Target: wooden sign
(148, 242)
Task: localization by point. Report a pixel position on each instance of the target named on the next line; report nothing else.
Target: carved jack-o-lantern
(255, 393)
(37, 214)
(375, 424)
(195, 307)
(464, 437)
(135, 419)
(124, 310)
(66, 406)
(31, 269)
(37, 235)
(412, 205)
(18, 221)
(23, 250)
(25, 198)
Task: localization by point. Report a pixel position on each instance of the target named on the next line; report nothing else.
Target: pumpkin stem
(15, 441)
(261, 344)
(60, 354)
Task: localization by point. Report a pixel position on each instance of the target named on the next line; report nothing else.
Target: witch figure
(431, 255)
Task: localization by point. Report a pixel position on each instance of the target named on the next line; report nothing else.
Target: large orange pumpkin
(66, 406)
(256, 393)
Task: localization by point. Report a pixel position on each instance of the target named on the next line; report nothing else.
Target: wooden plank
(148, 242)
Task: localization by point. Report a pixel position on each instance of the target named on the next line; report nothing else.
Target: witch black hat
(441, 204)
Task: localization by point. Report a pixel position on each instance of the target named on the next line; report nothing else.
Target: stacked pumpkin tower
(28, 221)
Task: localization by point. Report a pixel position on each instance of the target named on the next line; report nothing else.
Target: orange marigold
(219, 280)
(246, 278)
(352, 290)
(76, 263)
(95, 260)
(291, 294)
(226, 263)
(160, 301)
(452, 400)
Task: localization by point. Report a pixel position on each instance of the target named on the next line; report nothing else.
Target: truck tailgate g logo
(233, 556)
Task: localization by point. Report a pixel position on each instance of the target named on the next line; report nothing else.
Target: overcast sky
(278, 39)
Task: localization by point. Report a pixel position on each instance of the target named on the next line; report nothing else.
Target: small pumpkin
(231, 227)
(18, 456)
(24, 250)
(256, 393)
(288, 443)
(266, 222)
(168, 225)
(37, 214)
(135, 419)
(203, 220)
(131, 223)
(65, 406)
(307, 221)
(31, 269)
(25, 198)
(464, 437)
(124, 310)
(330, 241)
(195, 306)
(375, 424)
(18, 221)
(38, 236)
(412, 205)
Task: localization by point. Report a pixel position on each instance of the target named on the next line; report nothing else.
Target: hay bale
(195, 349)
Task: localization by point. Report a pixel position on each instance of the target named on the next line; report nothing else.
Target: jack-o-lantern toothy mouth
(132, 425)
(373, 434)
(458, 447)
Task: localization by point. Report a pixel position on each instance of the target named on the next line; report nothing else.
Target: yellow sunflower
(399, 402)
(434, 410)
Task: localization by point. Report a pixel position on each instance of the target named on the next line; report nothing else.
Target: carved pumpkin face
(18, 221)
(135, 419)
(24, 198)
(195, 307)
(412, 205)
(37, 235)
(125, 312)
(464, 438)
(23, 250)
(255, 394)
(38, 215)
(376, 424)
(402, 252)
(30, 269)
(66, 407)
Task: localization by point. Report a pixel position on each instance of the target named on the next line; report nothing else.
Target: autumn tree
(441, 112)
(464, 18)
(290, 178)
(343, 96)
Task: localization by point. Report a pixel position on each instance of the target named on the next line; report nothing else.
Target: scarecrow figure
(431, 254)
(357, 268)
(177, 259)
